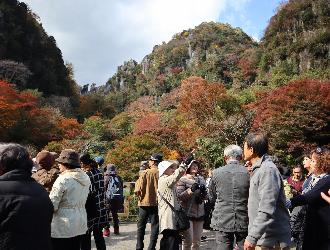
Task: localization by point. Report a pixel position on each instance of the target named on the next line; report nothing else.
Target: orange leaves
(70, 128)
(149, 123)
(23, 121)
(199, 98)
(12, 103)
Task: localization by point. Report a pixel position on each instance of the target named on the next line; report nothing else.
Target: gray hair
(233, 151)
(14, 156)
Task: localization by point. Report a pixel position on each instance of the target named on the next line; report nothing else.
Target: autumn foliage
(295, 115)
(23, 120)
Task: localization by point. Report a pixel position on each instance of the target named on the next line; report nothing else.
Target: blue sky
(98, 36)
(252, 17)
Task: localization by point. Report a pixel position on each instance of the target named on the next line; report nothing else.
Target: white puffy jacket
(69, 195)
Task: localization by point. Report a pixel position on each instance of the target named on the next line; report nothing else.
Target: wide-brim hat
(162, 166)
(70, 157)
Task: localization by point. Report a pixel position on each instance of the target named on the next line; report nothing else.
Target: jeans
(98, 237)
(171, 240)
(72, 243)
(225, 240)
(144, 214)
(192, 236)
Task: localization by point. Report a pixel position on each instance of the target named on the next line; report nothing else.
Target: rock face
(299, 33)
(125, 76)
(296, 40)
(211, 50)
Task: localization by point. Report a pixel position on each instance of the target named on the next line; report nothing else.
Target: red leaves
(149, 123)
(285, 98)
(12, 103)
(199, 99)
(296, 115)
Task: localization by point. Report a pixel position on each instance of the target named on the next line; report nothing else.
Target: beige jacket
(167, 187)
(68, 195)
(146, 187)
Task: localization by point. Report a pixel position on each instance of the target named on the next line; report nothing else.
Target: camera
(200, 192)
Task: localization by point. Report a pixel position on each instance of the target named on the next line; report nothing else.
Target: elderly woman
(100, 219)
(69, 195)
(316, 233)
(169, 175)
(192, 193)
(25, 208)
(47, 172)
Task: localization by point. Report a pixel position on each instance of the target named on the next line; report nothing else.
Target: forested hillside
(205, 88)
(28, 56)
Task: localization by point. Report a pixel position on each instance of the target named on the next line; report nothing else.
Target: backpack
(114, 188)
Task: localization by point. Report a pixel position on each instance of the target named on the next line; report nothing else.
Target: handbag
(180, 217)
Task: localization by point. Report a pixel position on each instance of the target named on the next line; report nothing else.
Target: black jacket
(317, 228)
(25, 213)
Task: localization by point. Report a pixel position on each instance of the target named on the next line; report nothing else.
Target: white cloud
(97, 36)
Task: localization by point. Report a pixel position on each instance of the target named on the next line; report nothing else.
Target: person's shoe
(106, 232)
(116, 230)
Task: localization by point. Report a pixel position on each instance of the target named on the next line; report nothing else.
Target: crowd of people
(59, 201)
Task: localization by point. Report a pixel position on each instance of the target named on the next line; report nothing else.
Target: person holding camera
(170, 173)
(229, 189)
(192, 193)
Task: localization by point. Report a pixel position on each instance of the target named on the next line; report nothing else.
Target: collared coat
(268, 216)
(167, 188)
(229, 190)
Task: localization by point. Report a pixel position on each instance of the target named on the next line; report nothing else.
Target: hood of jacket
(78, 175)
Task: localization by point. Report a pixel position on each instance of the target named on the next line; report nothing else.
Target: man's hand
(248, 245)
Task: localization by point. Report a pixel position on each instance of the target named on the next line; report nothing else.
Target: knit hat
(70, 157)
(45, 159)
(162, 166)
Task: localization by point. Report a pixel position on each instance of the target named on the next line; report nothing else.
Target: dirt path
(127, 239)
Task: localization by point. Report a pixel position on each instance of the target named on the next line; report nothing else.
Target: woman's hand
(189, 191)
(325, 197)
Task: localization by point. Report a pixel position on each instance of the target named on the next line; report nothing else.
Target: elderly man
(25, 209)
(229, 189)
(296, 181)
(269, 226)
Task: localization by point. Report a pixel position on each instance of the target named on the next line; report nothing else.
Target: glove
(189, 159)
(194, 187)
